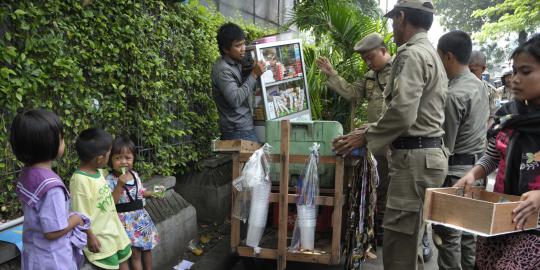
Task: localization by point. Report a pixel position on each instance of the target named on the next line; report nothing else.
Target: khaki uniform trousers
(456, 249)
(411, 172)
(382, 190)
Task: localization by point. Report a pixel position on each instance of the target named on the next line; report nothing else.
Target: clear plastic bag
(255, 172)
(306, 206)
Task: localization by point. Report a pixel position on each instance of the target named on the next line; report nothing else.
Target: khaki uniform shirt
(493, 96)
(414, 96)
(505, 93)
(370, 88)
(466, 112)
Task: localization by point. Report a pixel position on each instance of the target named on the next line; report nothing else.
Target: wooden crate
(484, 213)
(237, 146)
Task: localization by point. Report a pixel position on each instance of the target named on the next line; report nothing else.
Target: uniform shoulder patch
(398, 64)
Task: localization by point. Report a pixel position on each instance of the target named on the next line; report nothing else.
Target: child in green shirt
(108, 244)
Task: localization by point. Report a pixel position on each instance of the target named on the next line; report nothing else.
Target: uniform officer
(466, 114)
(477, 65)
(373, 51)
(505, 90)
(412, 126)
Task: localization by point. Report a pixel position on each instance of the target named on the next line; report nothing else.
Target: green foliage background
(131, 67)
(336, 26)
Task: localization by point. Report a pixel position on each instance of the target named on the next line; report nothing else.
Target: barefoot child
(108, 244)
(129, 193)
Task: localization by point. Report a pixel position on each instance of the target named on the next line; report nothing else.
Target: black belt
(417, 142)
(129, 206)
(463, 159)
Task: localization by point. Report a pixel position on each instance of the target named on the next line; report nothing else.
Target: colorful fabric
(138, 224)
(33, 183)
(114, 261)
(360, 233)
(518, 141)
(91, 196)
(520, 251)
(517, 151)
(49, 214)
(501, 144)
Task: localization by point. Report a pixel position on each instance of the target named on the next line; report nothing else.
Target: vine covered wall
(131, 67)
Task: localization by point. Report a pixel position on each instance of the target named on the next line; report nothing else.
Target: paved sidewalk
(369, 265)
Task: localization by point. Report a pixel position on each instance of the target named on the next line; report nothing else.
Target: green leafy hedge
(136, 67)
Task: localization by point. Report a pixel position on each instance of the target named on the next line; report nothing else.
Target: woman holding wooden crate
(514, 148)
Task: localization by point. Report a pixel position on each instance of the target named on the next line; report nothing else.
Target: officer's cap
(369, 42)
(507, 71)
(425, 5)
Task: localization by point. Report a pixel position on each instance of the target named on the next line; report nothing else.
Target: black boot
(427, 253)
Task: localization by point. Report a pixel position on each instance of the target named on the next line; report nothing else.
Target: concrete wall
(176, 221)
(209, 190)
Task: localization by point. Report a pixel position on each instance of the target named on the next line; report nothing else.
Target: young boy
(108, 244)
(232, 91)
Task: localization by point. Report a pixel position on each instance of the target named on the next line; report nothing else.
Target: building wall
(269, 13)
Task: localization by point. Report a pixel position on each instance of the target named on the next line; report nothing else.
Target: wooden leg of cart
(283, 196)
(337, 214)
(235, 223)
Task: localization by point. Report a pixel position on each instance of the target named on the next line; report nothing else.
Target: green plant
(336, 26)
(135, 67)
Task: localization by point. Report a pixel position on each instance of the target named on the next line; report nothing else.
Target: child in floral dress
(129, 193)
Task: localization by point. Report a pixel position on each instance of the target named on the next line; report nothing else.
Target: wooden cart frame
(281, 254)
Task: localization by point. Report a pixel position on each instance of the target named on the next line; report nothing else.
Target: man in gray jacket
(231, 91)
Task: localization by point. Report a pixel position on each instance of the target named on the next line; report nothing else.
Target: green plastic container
(303, 135)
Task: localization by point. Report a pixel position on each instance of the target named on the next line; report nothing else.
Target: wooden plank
(496, 197)
(265, 253)
(309, 257)
(461, 211)
(427, 204)
(293, 190)
(502, 218)
(235, 223)
(241, 146)
(302, 159)
(283, 196)
(269, 253)
(293, 159)
(320, 200)
(298, 159)
(337, 214)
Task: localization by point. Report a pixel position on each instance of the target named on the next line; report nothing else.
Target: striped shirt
(490, 160)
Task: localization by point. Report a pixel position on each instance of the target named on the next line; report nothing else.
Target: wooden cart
(330, 254)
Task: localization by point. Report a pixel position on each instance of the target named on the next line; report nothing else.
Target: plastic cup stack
(307, 219)
(257, 214)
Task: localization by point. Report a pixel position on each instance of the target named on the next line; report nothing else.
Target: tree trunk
(522, 37)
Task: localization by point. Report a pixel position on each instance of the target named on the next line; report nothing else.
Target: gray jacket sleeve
(233, 94)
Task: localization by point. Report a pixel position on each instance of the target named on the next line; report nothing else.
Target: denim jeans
(248, 135)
